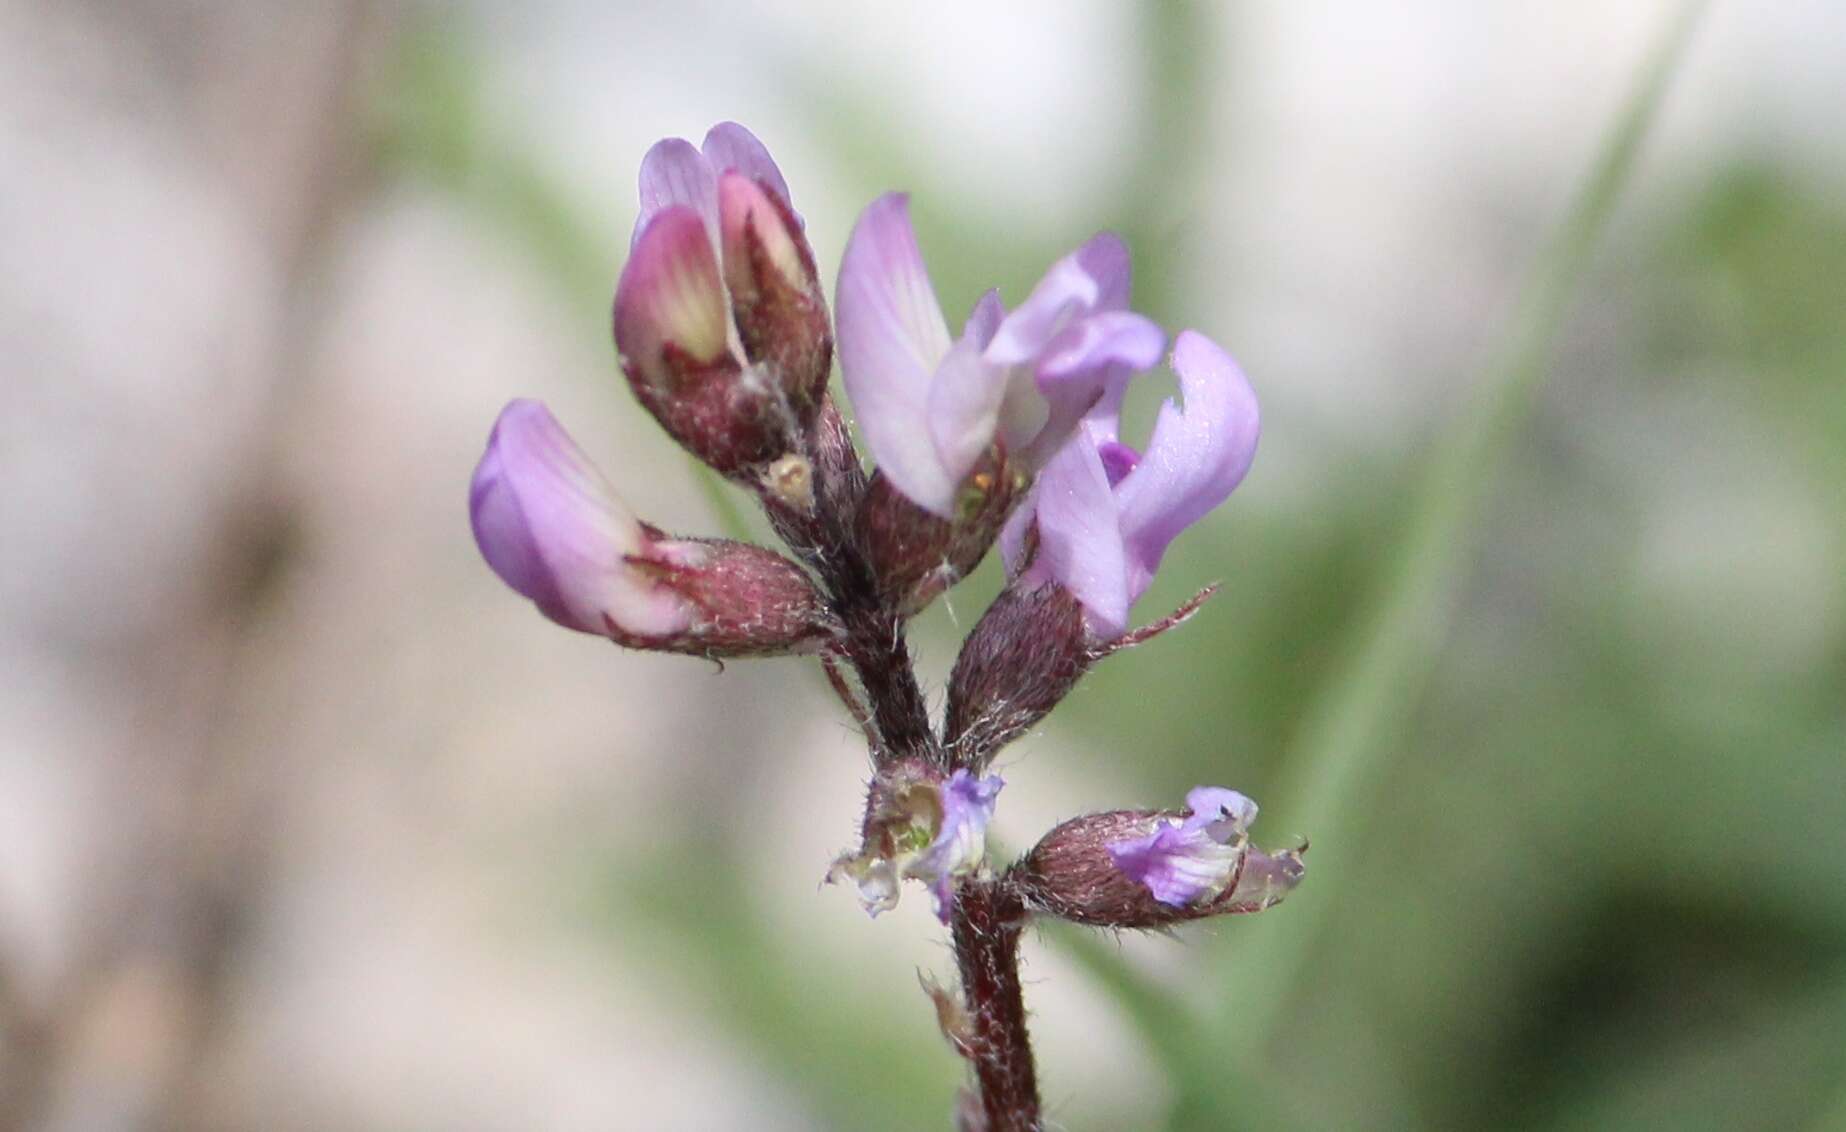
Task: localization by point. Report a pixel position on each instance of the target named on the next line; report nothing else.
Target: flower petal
(964, 395)
(670, 291)
(1197, 456)
(1079, 542)
(1081, 376)
(1179, 866)
(554, 530)
(742, 205)
(891, 336)
(674, 173)
(1093, 360)
(961, 840)
(1095, 277)
(731, 148)
(1220, 812)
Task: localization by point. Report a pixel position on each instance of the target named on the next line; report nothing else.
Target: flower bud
(775, 292)
(917, 555)
(553, 529)
(919, 826)
(1024, 656)
(673, 328)
(1148, 869)
(719, 315)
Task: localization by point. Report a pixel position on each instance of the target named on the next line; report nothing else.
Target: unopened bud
(915, 554)
(776, 294)
(1024, 656)
(680, 353)
(1151, 868)
(555, 531)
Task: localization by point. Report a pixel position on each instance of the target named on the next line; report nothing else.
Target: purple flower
(554, 530)
(719, 315)
(921, 829)
(931, 406)
(1104, 513)
(1207, 858)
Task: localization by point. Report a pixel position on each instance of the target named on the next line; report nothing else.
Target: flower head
(1101, 515)
(553, 529)
(931, 406)
(719, 314)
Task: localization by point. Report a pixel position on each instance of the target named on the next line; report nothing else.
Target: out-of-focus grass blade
(1354, 727)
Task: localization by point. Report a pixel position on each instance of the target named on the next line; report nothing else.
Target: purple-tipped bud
(554, 530)
(775, 292)
(1024, 656)
(1148, 869)
(719, 316)
(919, 826)
(672, 325)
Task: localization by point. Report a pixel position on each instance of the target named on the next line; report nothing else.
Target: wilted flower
(1144, 869)
(920, 828)
(932, 408)
(1196, 859)
(554, 530)
(1102, 515)
(719, 314)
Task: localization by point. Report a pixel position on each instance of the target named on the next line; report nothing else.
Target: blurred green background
(1533, 617)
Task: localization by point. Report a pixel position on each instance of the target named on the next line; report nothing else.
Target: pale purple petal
(1082, 376)
(1094, 360)
(1093, 278)
(1197, 456)
(961, 842)
(1178, 866)
(674, 173)
(1197, 858)
(1079, 543)
(891, 336)
(1222, 813)
(964, 396)
(731, 148)
(555, 531)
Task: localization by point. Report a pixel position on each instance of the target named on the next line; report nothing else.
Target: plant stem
(988, 915)
(985, 927)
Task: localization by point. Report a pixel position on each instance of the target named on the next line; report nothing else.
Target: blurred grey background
(307, 823)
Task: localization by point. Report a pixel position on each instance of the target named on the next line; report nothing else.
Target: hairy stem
(988, 915)
(985, 926)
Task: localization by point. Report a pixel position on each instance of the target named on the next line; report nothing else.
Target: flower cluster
(1008, 431)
